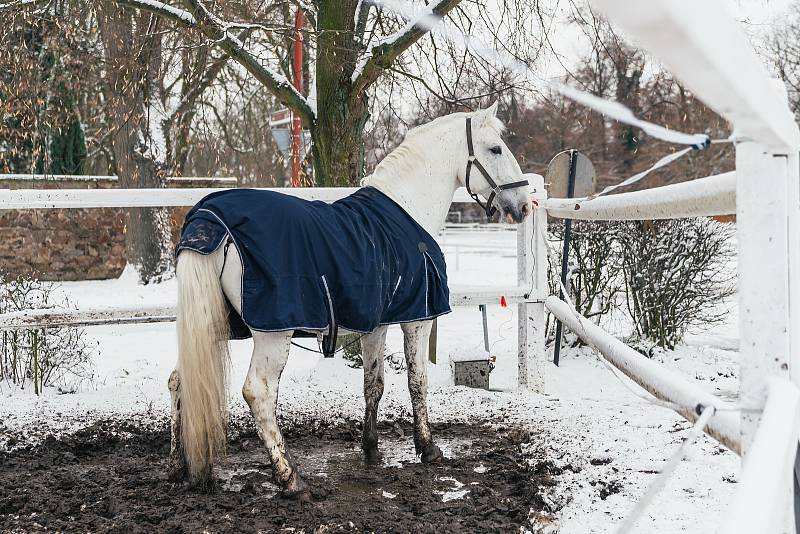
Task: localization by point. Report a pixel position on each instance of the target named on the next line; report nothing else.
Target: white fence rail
(662, 383)
(56, 317)
(151, 198)
(221, 180)
(704, 197)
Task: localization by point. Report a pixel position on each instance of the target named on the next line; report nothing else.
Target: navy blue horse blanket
(357, 263)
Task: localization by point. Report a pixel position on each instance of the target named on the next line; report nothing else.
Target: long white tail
(203, 362)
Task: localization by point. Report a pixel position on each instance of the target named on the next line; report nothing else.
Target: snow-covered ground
(588, 420)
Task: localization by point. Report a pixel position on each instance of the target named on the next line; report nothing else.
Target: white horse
(421, 176)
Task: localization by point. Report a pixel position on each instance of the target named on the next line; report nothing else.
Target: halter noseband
(488, 207)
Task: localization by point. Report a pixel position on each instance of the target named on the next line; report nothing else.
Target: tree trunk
(338, 133)
(134, 61)
(627, 93)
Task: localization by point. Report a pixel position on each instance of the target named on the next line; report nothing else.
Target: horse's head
(491, 170)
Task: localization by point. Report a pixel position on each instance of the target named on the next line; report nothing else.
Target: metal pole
(482, 307)
(297, 126)
(573, 160)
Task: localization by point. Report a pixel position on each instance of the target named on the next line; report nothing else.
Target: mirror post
(573, 160)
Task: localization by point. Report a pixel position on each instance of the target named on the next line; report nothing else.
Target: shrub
(60, 357)
(673, 274)
(676, 274)
(594, 253)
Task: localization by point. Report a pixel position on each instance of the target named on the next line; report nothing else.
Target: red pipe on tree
(299, 21)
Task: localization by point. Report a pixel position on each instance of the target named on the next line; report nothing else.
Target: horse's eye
(496, 150)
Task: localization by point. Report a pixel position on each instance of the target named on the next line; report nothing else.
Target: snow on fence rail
(703, 197)
(662, 383)
(227, 180)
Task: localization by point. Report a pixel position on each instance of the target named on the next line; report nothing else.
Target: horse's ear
(491, 111)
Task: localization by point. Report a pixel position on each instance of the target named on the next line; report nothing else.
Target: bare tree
(161, 64)
(783, 50)
(613, 70)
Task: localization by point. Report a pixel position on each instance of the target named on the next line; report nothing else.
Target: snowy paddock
(573, 460)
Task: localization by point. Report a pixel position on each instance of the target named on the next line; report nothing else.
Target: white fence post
(762, 219)
(532, 273)
(793, 174)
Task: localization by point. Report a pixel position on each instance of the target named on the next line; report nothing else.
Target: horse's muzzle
(516, 214)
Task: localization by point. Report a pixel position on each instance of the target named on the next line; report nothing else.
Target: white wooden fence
(522, 292)
(702, 45)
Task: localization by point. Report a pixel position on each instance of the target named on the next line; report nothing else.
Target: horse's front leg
(372, 346)
(416, 347)
(260, 390)
(177, 461)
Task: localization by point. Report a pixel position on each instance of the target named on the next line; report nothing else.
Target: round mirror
(558, 172)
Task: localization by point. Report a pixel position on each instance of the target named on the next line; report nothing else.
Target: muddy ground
(112, 477)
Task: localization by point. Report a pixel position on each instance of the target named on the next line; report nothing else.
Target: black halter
(488, 207)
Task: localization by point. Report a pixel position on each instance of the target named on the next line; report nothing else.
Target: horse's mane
(412, 149)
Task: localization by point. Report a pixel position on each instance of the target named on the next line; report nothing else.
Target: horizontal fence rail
(153, 198)
(703, 197)
(655, 378)
(227, 180)
(57, 317)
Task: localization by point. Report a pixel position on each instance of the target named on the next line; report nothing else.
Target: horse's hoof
(204, 483)
(431, 454)
(372, 455)
(302, 496)
(296, 489)
(177, 474)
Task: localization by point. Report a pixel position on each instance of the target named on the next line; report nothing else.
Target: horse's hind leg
(270, 352)
(416, 347)
(177, 462)
(372, 345)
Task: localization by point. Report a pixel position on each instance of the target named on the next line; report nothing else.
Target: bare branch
(162, 10)
(19, 3)
(383, 55)
(218, 31)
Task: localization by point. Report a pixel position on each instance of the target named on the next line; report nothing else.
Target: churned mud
(112, 477)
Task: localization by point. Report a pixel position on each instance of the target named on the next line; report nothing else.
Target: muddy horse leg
(416, 347)
(177, 462)
(372, 345)
(260, 390)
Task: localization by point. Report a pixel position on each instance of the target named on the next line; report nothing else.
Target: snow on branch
(19, 3)
(381, 56)
(197, 15)
(162, 9)
(219, 31)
